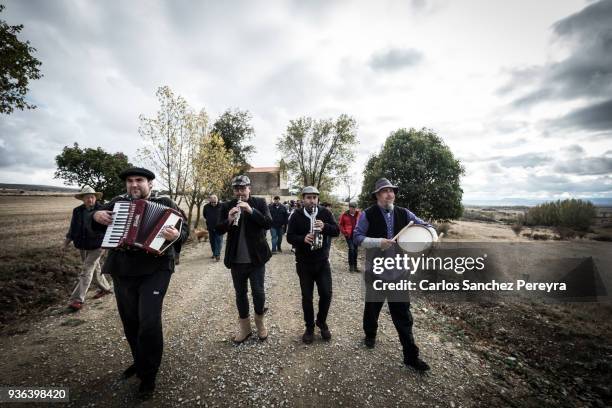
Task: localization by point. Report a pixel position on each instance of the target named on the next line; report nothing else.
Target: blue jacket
(279, 215)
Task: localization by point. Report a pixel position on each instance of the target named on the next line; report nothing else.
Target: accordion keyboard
(116, 229)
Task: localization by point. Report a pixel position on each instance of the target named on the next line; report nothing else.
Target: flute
(237, 219)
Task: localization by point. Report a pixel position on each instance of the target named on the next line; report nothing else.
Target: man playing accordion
(140, 281)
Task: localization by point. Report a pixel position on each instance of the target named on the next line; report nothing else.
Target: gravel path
(87, 352)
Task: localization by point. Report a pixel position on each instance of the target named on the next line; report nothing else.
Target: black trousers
(309, 274)
(139, 301)
(352, 251)
(402, 319)
(242, 274)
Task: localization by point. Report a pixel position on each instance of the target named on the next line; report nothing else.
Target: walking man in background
(279, 222)
(246, 219)
(348, 222)
(88, 242)
(211, 212)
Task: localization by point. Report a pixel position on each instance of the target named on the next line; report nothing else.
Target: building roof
(272, 169)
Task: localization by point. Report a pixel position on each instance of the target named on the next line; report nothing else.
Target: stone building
(269, 182)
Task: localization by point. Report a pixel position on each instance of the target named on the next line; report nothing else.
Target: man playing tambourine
(375, 229)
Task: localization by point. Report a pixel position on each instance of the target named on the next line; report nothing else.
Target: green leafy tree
(235, 129)
(17, 68)
(570, 213)
(93, 167)
(424, 169)
(318, 152)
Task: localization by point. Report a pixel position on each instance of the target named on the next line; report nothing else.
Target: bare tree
(166, 138)
(317, 152)
(347, 180)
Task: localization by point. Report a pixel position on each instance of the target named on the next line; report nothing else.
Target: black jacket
(81, 233)
(255, 230)
(279, 215)
(377, 226)
(299, 227)
(211, 215)
(120, 262)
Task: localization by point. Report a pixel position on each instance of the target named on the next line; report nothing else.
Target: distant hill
(527, 202)
(33, 187)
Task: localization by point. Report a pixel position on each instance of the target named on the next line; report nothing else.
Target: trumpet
(237, 219)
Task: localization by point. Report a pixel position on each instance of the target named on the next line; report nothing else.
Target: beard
(138, 193)
(310, 207)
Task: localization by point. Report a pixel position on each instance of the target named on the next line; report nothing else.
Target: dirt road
(86, 351)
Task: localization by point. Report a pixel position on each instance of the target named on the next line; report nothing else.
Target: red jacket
(348, 223)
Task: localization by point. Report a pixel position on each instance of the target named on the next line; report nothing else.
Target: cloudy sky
(521, 91)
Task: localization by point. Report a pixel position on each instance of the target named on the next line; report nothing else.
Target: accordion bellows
(139, 224)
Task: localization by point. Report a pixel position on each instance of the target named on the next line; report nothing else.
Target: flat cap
(241, 180)
(310, 190)
(136, 171)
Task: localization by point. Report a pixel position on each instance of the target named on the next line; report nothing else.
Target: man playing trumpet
(306, 231)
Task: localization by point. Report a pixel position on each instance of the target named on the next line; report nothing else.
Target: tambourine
(416, 238)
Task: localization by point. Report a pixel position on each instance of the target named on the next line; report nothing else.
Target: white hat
(87, 190)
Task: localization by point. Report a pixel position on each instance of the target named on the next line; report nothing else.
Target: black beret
(136, 171)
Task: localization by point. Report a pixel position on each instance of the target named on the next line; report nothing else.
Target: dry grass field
(34, 272)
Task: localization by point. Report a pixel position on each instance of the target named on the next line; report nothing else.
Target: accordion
(138, 224)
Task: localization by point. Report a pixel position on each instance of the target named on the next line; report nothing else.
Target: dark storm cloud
(574, 150)
(21, 144)
(585, 73)
(553, 184)
(585, 166)
(395, 59)
(521, 77)
(596, 117)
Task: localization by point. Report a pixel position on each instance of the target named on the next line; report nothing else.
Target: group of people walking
(141, 279)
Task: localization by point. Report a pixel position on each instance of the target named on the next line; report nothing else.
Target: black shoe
(146, 389)
(417, 364)
(273, 252)
(308, 335)
(370, 342)
(325, 333)
(280, 251)
(129, 372)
